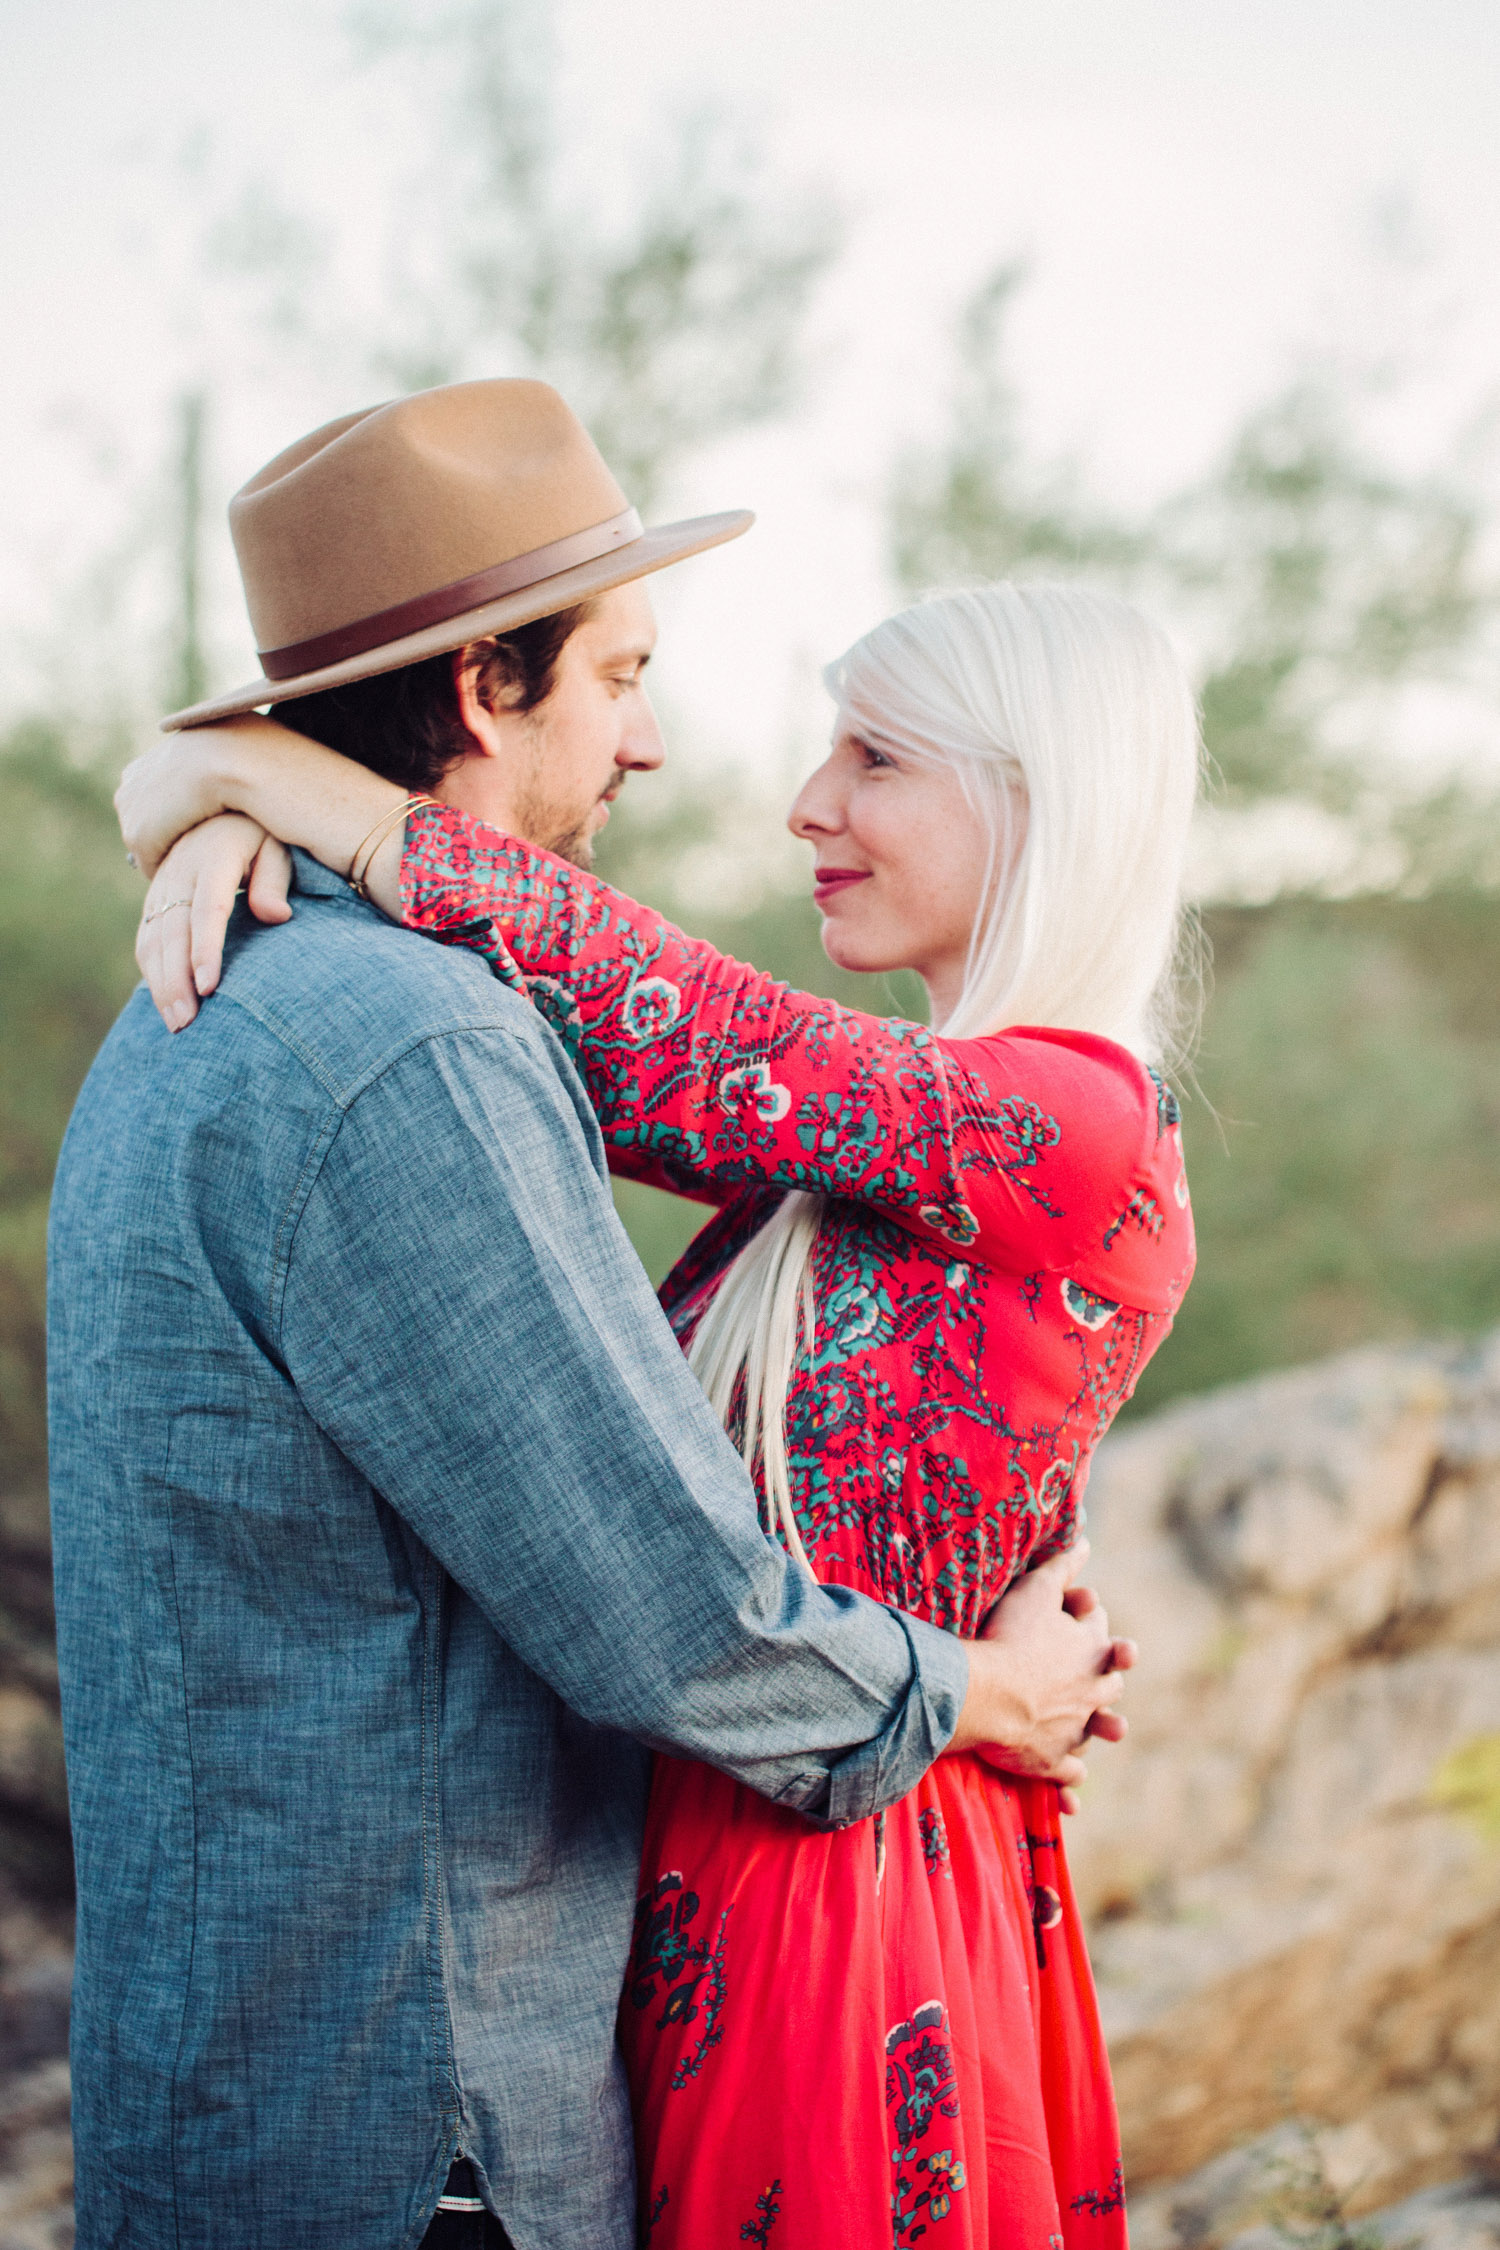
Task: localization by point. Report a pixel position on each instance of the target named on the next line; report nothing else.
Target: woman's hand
(201, 811)
(181, 780)
(179, 946)
(295, 789)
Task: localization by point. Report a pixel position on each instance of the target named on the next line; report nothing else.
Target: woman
(938, 1265)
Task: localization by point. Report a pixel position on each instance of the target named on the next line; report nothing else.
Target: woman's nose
(817, 808)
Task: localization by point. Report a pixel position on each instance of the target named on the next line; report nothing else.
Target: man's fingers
(1078, 1601)
(1061, 1570)
(1067, 1800)
(1109, 1726)
(1123, 1656)
(1069, 1772)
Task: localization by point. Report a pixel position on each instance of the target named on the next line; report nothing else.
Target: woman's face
(899, 863)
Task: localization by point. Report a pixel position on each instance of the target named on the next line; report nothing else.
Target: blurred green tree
(68, 907)
(1316, 583)
(670, 308)
(1341, 1142)
(978, 504)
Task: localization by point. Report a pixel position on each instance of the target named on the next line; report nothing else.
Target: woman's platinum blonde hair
(1070, 722)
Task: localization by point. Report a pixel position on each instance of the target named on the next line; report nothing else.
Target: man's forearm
(503, 1376)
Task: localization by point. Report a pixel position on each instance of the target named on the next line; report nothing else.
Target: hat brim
(654, 550)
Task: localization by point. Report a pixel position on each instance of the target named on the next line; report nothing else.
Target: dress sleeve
(708, 1075)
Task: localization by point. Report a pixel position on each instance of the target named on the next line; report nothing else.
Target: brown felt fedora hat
(410, 528)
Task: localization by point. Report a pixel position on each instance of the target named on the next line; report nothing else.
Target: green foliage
(670, 312)
(977, 506)
(68, 906)
(1346, 1188)
(1467, 1783)
(1316, 580)
(1341, 1160)
(1303, 2209)
(1332, 580)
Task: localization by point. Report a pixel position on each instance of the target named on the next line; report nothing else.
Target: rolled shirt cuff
(883, 1771)
(888, 1767)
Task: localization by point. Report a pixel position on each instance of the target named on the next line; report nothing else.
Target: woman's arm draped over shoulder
(707, 1074)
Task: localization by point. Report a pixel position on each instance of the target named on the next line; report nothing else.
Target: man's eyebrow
(637, 652)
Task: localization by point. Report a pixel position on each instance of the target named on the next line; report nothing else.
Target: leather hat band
(415, 616)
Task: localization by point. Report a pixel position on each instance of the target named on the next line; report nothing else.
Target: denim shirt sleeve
(461, 1310)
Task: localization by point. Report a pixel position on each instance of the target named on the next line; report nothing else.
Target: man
(390, 1527)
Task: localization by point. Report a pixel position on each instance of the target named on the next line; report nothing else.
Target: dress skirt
(882, 2035)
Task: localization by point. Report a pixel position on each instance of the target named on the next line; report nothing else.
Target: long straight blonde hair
(1069, 720)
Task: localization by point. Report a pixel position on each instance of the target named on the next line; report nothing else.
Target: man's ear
(482, 723)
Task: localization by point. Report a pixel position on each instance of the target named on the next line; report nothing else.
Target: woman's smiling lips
(829, 881)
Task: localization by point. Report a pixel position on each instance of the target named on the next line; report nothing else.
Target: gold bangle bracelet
(358, 877)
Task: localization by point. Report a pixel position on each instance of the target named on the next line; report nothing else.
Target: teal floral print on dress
(934, 1842)
(688, 1974)
(652, 1006)
(1085, 1307)
(1099, 2202)
(921, 2092)
(752, 1087)
(1004, 1235)
(973, 1337)
(767, 2212)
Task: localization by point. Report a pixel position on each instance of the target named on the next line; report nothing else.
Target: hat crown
(379, 508)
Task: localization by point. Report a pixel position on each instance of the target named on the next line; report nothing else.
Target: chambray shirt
(390, 1526)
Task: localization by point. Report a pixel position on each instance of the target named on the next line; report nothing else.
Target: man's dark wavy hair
(406, 725)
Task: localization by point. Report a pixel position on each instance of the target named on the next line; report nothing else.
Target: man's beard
(541, 825)
(576, 845)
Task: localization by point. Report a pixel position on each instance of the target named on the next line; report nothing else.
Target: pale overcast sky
(1190, 181)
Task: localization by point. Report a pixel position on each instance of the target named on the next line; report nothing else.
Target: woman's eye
(874, 759)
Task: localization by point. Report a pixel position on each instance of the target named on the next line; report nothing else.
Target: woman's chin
(846, 951)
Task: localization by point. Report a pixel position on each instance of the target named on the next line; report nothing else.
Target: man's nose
(642, 749)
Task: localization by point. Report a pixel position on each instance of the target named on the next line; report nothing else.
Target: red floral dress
(867, 2037)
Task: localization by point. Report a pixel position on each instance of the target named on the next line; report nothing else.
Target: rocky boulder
(1293, 1865)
